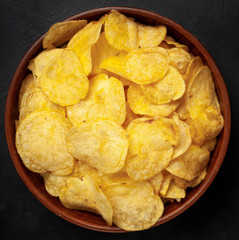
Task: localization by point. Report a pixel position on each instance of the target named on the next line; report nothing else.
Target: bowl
(90, 220)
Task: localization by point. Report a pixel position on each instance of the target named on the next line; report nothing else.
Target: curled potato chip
(170, 88)
(185, 137)
(139, 104)
(83, 41)
(141, 66)
(84, 194)
(40, 142)
(180, 59)
(121, 31)
(151, 143)
(157, 181)
(170, 41)
(32, 98)
(167, 177)
(61, 32)
(42, 61)
(100, 51)
(175, 192)
(135, 206)
(190, 164)
(105, 99)
(54, 183)
(150, 36)
(63, 80)
(101, 143)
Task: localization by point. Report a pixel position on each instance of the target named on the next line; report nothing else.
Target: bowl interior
(86, 219)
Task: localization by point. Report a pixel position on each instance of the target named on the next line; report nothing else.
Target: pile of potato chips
(118, 118)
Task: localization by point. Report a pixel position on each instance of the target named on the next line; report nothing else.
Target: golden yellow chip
(105, 99)
(84, 194)
(210, 144)
(170, 41)
(175, 192)
(121, 31)
(167, 178)
(185, 137)
(139, 104)
(157, 181)
(41, 144)
(180, 59)
(63, 80)
(151, 143)
(100, 51)
(190, 164)
(135, 206)
(170, 88)
(150, 36)
(143, 66)
(83, 41)
(130, 116)
(101, 143)
(32, 98)
(61, 32)
(42, 61)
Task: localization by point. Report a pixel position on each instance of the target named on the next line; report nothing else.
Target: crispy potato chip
(32, 98)
(40, 142)
(180, 59)
(210, 144)
(175, 192)
(139, 104)
(42, 61)
(151, 143)
(167, 177)
(105, 99)
(157, 181)
(100, 51)
(121, 31)
(170, 88)
(61, 32)
(184, 184)
(150, 36)
(130, 116)
(143, 66)
(63, 80)
(135, 206)
(83, 41)
(54, 183)
(190, 164)
(101, 143)
(170, 41)
(83, 194)
(185, 137)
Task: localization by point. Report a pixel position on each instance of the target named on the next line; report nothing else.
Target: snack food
(133, 146)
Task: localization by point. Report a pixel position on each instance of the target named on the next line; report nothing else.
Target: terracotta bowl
(89, 220)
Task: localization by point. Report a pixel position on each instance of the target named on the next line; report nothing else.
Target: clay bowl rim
(218, 154)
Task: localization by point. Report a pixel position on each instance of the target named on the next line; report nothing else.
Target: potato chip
(100, 51)
(54, 183)
(40, 142)
(83, 41)
(121, 31)
(32, 98)
(180, 59)
(139, 104)
(170, 41)
(101, 143)
(83, 194)
(151, 142)
(150, 36)
(167, 178)
(170, 88)
(61, 32)
(185, 137)
(190, 164)
(210, 144)
(156, 181)
(141, 66)
(175, 192)
(63, 80)
(130, 116)
(42, 61)
(135, 206)
(105, 99)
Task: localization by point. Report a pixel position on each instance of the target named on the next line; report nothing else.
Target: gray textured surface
(215, 24)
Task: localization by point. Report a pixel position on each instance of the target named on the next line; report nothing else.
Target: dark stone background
(216, 25)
